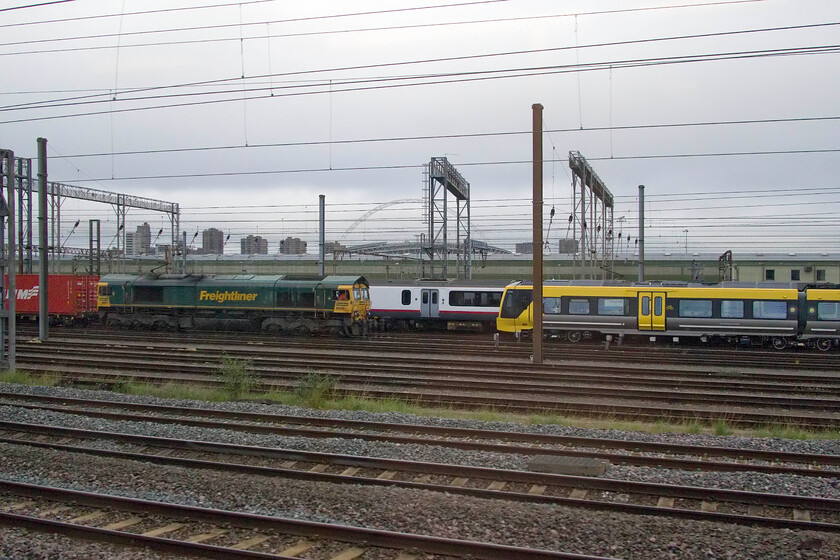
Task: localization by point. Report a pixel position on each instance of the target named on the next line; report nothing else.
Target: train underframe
(293, 323)
(824, 344)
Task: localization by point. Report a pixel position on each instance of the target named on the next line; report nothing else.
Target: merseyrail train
(436, 304)
(334, 304)
(781, 315)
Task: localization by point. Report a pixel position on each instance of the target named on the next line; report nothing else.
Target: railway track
(637, 498)
(625, 452)
(742, 397)
(144, 442)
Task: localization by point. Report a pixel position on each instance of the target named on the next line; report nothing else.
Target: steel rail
(471, 434)
(343, 533)
(461, 471)
(413, 377)
(676, 463)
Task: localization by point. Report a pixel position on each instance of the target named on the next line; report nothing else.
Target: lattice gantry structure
(7, 259)
(592, 221)
(442, 178)
(57, 193)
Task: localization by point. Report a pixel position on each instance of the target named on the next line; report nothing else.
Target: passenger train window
(732, 309)
(434, 297)
(828, 311)
(515, 303)
(578, 307)
(612, 306)
(657, 305)
(425, 298)
(406, 297)
(551, 305)
(645, 305)
(769, 310)
(695, 308)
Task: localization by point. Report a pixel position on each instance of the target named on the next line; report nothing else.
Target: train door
(429, 303)
(651, 311)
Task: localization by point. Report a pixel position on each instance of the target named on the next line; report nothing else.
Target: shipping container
(71, 297)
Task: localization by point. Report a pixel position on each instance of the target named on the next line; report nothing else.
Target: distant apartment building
(212, 242)
(333, 247)
(139, 242)
(254, 245)
(292, 246)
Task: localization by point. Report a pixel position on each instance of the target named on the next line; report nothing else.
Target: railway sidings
(465, 484)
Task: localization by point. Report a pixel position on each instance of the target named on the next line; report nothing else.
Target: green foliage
(316, 389)
(237, 376)
(18, 377)
(721, 428)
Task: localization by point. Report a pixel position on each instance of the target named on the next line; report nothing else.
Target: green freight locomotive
(286, 304)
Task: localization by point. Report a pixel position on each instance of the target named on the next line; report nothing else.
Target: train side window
(425, 298)
(405, 297)
(695, 308)
(820, 275)
(306, 299)
(551, 305)
(434, 298)
(284, 298)
(769, 310)
(578, 306)
(645, 305)
(494, 298)
(148, 294)
(795, 275)
(106, 291)
(828, 311)
(657, 305)
(732, 309)
(612, 306)
(770, 274)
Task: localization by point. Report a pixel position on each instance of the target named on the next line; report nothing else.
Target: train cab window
(357, 294)
(732, 309)
(405, 297)
(341, 295)
(828, 311)
(612, 306)
(551, 305)
(366, 294)
(106, 291)
(695, 308)
(769, 310)
(578, 306)
(515, 302)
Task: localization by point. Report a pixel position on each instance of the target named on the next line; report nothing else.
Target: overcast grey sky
(244, 112)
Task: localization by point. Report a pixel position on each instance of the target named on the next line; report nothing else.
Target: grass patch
(237, 376)
(316, 390)
(18, 377)
(173, 391)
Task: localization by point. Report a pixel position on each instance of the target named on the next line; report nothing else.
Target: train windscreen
(515, 302)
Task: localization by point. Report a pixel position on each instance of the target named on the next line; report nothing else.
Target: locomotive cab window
(405, 297)
(341, 295)
(357, 294)
(106, 291)
(828, 311)
(769, 310)
(701, 308)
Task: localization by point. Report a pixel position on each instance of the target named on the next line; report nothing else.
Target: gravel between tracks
(540, 526)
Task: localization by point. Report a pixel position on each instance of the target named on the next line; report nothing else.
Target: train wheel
(824, 344)
(573, 336)
(778, 343)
